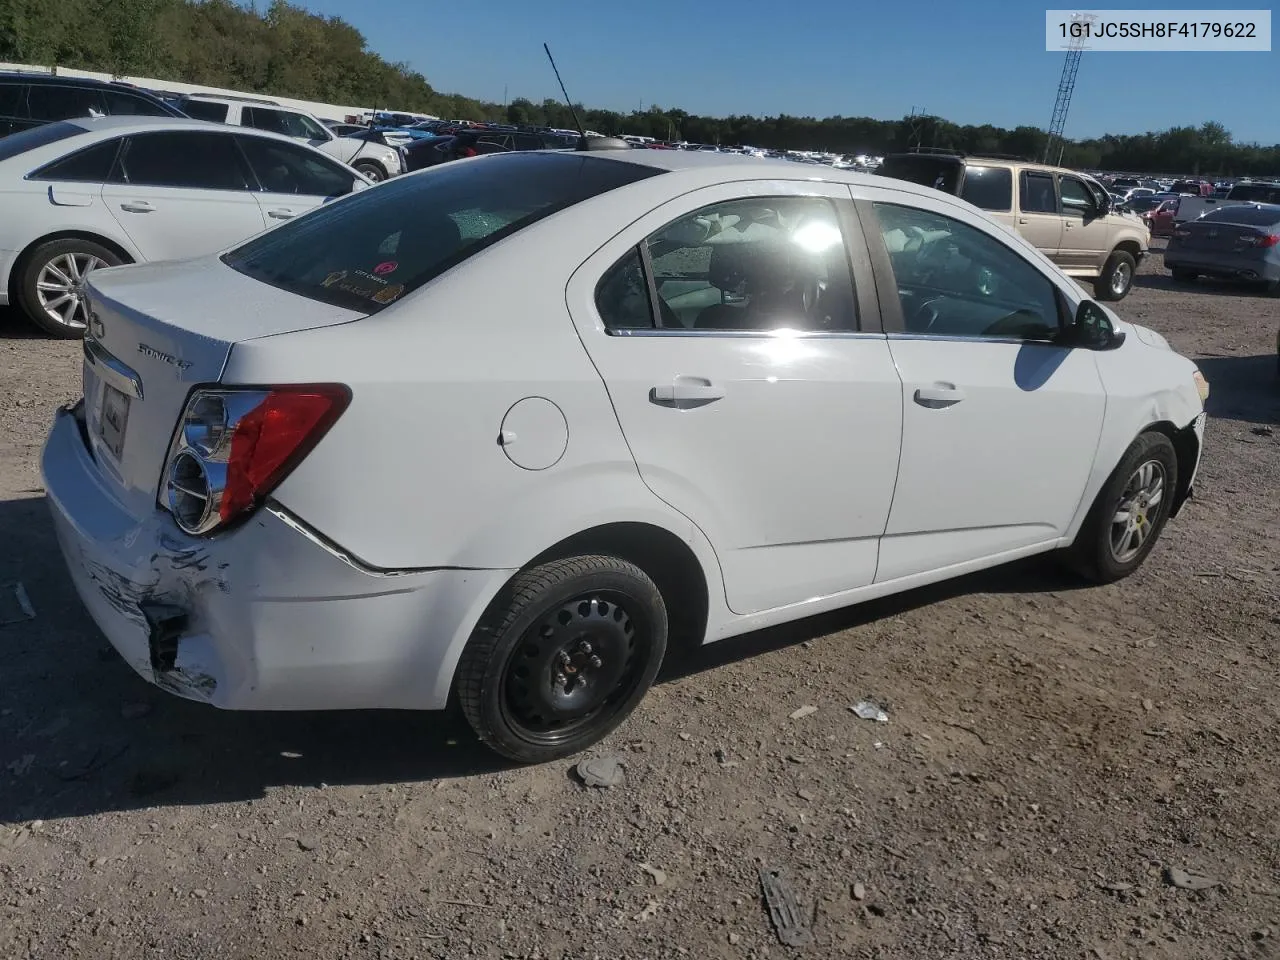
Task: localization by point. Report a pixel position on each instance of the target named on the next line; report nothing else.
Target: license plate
(113, 419)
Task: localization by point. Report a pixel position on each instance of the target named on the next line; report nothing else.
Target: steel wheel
(1139, 507)
(572, 666)
(60, 287)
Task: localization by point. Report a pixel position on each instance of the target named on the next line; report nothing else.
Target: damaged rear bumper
(262, 617)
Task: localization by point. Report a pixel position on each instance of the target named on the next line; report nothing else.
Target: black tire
(371, 169)
(1092, 555)
(1116, 279)
(1183, 275)
(28, 275)
(506, 679)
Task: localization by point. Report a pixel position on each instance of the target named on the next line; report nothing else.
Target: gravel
(1056, 756)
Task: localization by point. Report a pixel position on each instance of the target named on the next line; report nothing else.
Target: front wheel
(1116, 279)
(562, 656)
(1129, 513)
(50, 284)
(371, 170)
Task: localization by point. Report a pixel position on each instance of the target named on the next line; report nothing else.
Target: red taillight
(234, 445)
(271, 438)
(1266, 240)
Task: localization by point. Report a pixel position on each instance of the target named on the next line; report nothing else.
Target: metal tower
(1066, 86)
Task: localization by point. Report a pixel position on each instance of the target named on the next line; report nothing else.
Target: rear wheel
(371, 170)
(1116, 279)
(51, 281)
(1129, 513)
(1183, 275)
(562, 657)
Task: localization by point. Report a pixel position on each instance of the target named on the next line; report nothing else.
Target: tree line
(288, 51)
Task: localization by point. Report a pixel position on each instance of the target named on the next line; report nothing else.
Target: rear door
(291, 178)
(1039, 219)
(765, 413)
(182, 193)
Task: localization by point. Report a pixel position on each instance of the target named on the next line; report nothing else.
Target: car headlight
(1202, 385)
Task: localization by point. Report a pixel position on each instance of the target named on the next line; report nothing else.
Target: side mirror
(1091, 329)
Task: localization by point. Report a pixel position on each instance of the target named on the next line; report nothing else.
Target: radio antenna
(574, 113)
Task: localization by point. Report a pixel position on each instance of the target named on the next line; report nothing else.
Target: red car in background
(1160, 218)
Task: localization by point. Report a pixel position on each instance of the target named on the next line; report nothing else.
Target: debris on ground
(648, 912)
(659, 876)
(789, 920)
(866, 710)
(602, 772)
(805, 711)
(859, 891)
(1185, 880)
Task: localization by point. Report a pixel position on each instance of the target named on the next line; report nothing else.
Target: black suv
(31, 99)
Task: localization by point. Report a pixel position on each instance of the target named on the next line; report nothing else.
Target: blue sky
(971, 62)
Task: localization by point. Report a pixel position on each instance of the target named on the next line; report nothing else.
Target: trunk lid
(1219, 237)
(157, 330)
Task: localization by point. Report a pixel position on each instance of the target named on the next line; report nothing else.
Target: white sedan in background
(86, 193)
(513, 427)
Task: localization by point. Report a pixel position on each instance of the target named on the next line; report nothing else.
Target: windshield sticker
(388, 294)
(366, 283)
(382, 269)
(333, 278)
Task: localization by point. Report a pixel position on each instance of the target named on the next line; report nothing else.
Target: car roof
(118, 125)
(49, 79)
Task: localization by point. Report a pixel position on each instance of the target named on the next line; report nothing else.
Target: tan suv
(1067, 215)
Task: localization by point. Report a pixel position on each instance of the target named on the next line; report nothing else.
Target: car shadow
(1246, 389)
(14, 326)
(80, 733)
(1202, 285)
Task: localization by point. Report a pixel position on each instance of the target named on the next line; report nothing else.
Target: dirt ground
(1051, 753)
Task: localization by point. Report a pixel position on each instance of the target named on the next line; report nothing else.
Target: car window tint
(120, 103)
(758, 264)
(90, 165)
(13, 100)
(956, 280)
(56, 102)
(374, 247)
(1076, 197)
(203, 110)
(622, 296)
(291, 168)
(990, 188)
(1036, 193)
(284, 122)
(208, 161)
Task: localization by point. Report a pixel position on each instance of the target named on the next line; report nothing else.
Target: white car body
(377, 160)
(789, 473)
(138, 221)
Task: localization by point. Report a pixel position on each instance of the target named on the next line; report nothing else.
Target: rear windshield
(940, 173)
(373, 248)
(990, 188)
(1263, 215)
(1256, 192)
(40, 136)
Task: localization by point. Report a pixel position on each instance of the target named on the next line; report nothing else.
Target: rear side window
(989, 188)
(121, 104)
(284, 122)
(201, 161)
(373, 248)
(90, 165)
(203, 110)
(1036, 193)
(40, 136)
(56, 102)
(289, 168)
(622, 296)
(13, 101)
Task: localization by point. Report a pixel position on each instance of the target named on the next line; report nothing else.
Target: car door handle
(136, 206)
(1023, 220)
(939, 395)
(686, 390)
(280, 214)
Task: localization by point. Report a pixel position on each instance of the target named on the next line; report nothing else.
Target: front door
(725, 326)
(1000, 423)
(1086, 232)
(1039, 220)
(182, 193)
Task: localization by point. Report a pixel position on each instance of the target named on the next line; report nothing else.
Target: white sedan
(86, 193)
(514, 427)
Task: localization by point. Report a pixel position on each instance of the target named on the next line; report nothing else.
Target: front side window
(758, 264)
(90, 165)
(57, 102)
(197, 160)
(1036, 193)
(373, 248)
(120, 104)
(1076, 197)
(954, 280)
(291, 168)
(989, 188)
